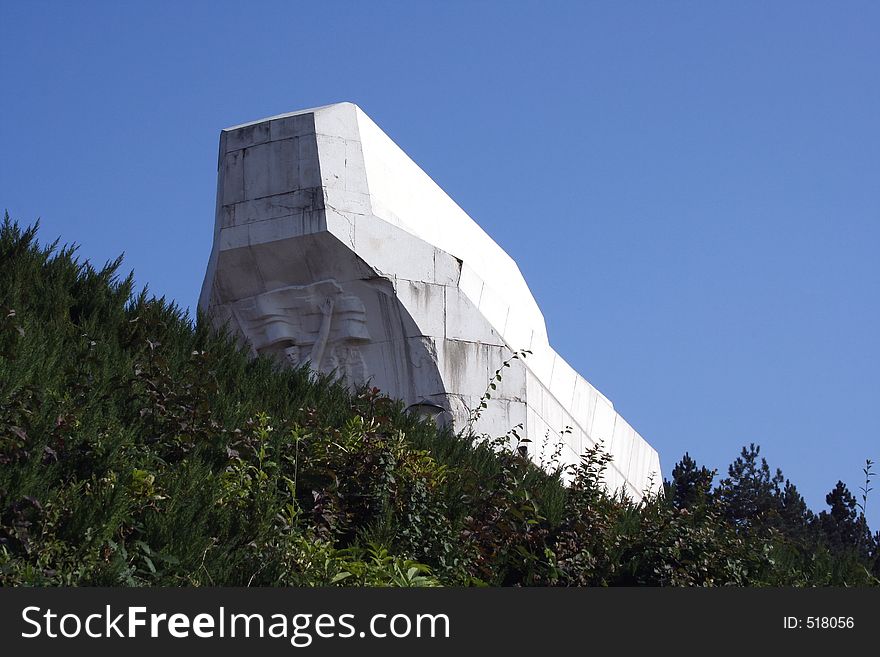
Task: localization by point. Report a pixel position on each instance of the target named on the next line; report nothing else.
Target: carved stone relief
(316, 324)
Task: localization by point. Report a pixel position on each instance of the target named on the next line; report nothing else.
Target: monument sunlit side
(333, 248)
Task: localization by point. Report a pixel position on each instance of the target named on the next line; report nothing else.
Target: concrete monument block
(333, 248)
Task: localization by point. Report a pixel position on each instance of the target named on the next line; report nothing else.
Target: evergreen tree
(843, 528)
(750, 494)
(795, 518)
(691, 485)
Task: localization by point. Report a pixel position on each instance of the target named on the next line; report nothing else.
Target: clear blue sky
(691, 189)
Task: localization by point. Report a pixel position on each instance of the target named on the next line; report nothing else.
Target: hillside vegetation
(137, 447)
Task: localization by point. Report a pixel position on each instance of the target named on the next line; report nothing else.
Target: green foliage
(749, 493)
(140, 448)
(691, 485)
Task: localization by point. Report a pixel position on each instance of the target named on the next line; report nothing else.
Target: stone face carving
(316, 324)
(332, 247)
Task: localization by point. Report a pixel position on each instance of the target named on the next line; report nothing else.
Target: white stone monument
(332, 247)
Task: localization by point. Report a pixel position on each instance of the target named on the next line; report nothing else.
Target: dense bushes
(140, 448)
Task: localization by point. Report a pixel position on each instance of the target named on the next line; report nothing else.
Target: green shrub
(138, 447)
